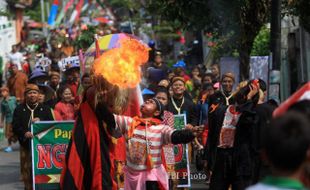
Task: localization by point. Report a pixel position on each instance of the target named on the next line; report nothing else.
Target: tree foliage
(86, 38)
(240, 20)
(261, 43)
(298, 8)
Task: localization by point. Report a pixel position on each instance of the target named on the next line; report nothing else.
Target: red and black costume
(89, 159)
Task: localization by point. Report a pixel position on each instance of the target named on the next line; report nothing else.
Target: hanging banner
(69, 62)
(43, 63)
(182, 171)
(49, 146)
(259, 67)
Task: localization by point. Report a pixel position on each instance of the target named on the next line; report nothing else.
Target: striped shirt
(145, 140)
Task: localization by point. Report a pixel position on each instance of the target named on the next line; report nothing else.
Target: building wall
(295, 52)
(7, 34)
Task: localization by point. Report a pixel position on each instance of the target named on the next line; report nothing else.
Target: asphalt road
(10, 171)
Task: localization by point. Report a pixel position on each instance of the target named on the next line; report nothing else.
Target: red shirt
(64, 111)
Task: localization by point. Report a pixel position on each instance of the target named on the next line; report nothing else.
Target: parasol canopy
(121, 56)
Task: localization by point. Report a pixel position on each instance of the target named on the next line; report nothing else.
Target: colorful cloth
(228, 131)
(90, 160)
(145, 140)
(64, 111)
(168, 152)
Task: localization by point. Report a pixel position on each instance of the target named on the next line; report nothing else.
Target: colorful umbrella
(105, 43)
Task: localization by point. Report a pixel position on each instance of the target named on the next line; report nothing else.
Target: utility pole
(275, 42)
(275, 47)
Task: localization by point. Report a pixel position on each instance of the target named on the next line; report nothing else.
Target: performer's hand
(36, 119)
(189, 126)
(197, 130)
(28, 135)
(200, 129)
(253, 90)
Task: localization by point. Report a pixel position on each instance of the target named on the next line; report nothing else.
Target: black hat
(159, 105)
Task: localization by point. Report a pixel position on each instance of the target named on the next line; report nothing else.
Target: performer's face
(55, 80)
(227, 84)
(67, 95)
(148, 108)
(178, 88)
(32, 96)
(162, 97)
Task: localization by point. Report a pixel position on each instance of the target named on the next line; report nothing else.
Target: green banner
(182, 172)
(49, 146)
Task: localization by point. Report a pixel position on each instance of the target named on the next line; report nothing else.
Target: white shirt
(16, 58)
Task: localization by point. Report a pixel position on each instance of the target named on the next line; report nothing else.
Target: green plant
(298, 8)
(86, 38)
(261, 43)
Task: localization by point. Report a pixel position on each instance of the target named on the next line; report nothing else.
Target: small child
(8, 106)
(286, 145)
(145, 137)
(64, 109)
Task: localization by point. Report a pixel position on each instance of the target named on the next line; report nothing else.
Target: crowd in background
(233, 115)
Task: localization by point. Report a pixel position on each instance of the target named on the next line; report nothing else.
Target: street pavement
(9, 168)
(10, 171)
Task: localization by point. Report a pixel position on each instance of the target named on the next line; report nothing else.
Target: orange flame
(121, 66)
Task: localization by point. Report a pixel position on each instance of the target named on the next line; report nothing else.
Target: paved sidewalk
(9, 168)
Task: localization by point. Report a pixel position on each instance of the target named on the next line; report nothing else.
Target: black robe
(90, 155)
(188, 108)
(264, 112)
(243, 144)
(21, 119)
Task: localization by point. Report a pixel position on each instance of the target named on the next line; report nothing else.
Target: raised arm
(115, 122)
(104, 114)
(182, 136)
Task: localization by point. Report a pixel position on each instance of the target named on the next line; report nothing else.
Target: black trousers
(224, 173)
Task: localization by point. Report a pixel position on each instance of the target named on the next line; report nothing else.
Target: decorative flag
(69, 4)
(61, 15)
(76, 13)
(302, 94)
(79, 7)
(97, 47)
(53, 13)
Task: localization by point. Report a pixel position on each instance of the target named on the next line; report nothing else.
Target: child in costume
(145, 137)
(8, 105)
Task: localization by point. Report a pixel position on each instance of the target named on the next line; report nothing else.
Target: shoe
(8, 149)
